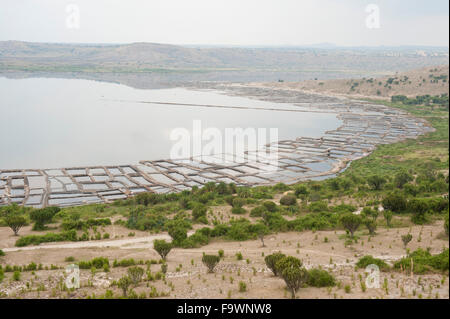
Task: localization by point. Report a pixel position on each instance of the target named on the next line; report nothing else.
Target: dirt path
(140, 242)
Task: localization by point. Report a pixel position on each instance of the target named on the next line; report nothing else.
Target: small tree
(15, 222)
(351, 222)
(371, 225)
(124, 283)
(388, 217)
(222, 189)
(177, 229)
(419, 209)
(406, 239)
(162, 247)
(370, 213)
(301, 191)
(210, 261)
(271, 261)
(261, 230)
(402, 178)
(395, 202)
(199, 211)
(376, 182)
(294, 279)
(43, 216)
(135, 274)
(290, 269)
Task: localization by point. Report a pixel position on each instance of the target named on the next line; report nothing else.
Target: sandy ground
(187, 276)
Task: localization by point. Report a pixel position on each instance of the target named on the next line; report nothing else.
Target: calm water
(49, 123)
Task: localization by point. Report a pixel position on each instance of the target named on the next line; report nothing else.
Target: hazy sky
(227, 22)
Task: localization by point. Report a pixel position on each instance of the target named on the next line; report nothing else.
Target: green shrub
(376, 182)
(97, 263)
(365, 261)
(395, 202)
(220, 230)
(238, 210)
(240, 230)
(210, 261)
(124, 263)
(70, 235)
(320, 278)
(71, 224)
(317, 221)
(146, 220)
(124, 283)
(198, 239)
(319, 206)
(16, 275)
(229, 199)
(276, 222)
(148, 199)
(238, 202)
(406, 239)
(199, 211)
(258, 211)
(343, 208)
(164, 268)
(281, 187)
(270, 206)
(288, 200)
(424, 262)
(135, 274)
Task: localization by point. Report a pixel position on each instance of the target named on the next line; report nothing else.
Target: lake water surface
(50, 123)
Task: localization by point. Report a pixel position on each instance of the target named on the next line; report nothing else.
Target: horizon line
(324, 45)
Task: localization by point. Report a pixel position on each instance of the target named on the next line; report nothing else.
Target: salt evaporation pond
(53, 123)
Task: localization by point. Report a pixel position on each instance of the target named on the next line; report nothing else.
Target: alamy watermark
(373, 19)
(373, 277)
(73, 276)
(73, 16)
(232, 145)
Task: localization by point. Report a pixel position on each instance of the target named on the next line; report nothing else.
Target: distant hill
(152, 57)
(429, 80)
